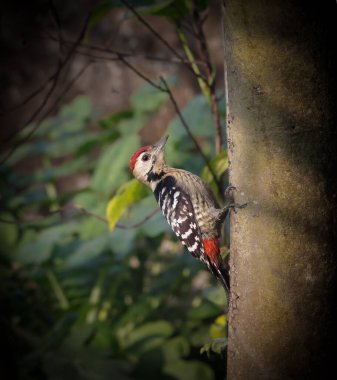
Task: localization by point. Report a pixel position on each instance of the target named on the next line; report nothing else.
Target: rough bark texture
(281, 151)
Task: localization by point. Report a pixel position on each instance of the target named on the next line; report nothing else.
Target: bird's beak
(159, 146)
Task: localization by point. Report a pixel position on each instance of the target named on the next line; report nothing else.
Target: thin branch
(204, 87)
(109, 51)
(65, 90)
(149, 27)
(138, 224)
(48, 95)
(84, 211)
(26, 100)
(140, 74)
(210, 78)
(190, 134)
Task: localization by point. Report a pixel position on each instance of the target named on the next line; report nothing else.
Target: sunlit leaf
(130, 192)
(218, 327)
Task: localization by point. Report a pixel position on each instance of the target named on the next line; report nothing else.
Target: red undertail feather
(212, 250)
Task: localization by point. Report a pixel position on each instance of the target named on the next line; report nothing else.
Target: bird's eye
(145, 157)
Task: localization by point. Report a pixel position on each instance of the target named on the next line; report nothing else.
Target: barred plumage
(188, 205)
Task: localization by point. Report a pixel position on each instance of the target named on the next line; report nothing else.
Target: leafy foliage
(87, 303)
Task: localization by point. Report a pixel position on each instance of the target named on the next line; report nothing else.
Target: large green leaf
(145, 333)
(130, 192)
(88, 250)
(176, 348)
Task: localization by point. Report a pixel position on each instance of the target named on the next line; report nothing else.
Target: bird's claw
(236, 206)
(229, 190)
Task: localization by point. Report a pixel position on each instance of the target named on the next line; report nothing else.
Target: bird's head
(148, 165)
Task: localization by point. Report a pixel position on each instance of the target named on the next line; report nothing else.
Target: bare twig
(129, 54)
(210, 78)
(149, 27)
(138, 224)
(140, 74)
(48, 95)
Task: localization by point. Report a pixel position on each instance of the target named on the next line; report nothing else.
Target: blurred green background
(91, 288)
(80, 301)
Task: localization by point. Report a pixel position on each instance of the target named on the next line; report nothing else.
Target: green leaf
(217, 345)
(121, 242)
(219, 165)
(131, 192)
(215, 295)
(198, 117)
(156, 329)
(112, 168)
(218, 328)
(87, 251)
(72, 118)
(70, 167)
(205, 310)
(66, 146)
(8, 233)
(154, 226)
(40, 248)
(176, 348)
(113, 120)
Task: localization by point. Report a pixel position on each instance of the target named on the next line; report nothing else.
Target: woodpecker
(187, 203)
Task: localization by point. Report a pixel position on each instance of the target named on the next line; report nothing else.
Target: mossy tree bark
(282, 159)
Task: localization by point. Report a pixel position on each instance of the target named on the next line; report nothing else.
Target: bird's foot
(229, 191)
(235, 206)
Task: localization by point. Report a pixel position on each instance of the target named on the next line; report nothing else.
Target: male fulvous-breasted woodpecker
(188, 205)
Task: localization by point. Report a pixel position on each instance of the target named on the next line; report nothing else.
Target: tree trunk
(282, 155)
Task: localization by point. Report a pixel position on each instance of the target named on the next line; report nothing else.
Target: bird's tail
(215, 264)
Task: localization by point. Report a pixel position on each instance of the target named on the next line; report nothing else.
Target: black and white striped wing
(177, 208)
